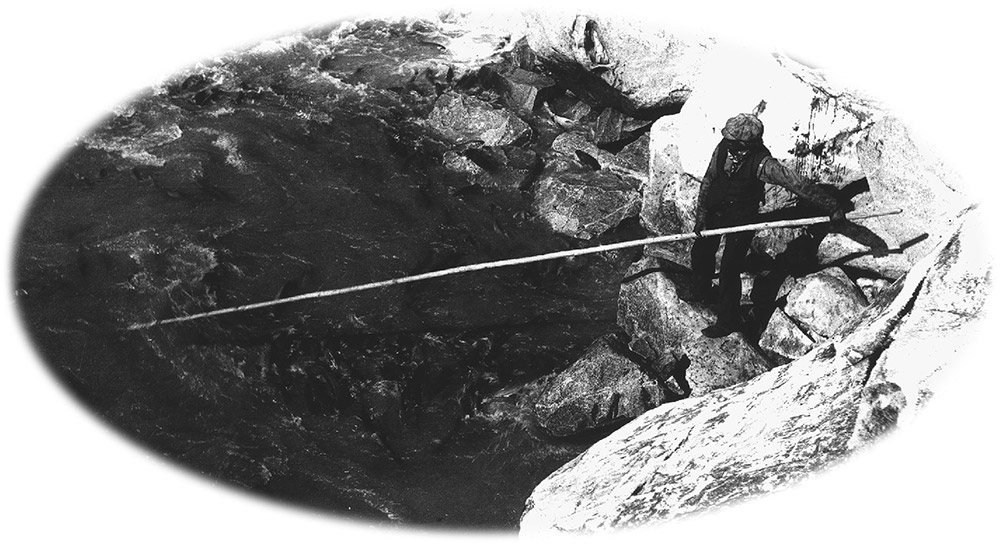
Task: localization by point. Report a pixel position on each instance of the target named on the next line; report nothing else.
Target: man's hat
(744, 127)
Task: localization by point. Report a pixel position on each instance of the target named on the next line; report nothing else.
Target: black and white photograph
(474, 271)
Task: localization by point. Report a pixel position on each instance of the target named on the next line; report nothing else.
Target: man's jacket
(738, 195)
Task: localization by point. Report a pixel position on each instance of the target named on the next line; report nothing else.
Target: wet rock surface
(459, 119)
(578, 201)
(605, 386)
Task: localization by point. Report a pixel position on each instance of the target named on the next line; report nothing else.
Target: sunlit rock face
(697, 454)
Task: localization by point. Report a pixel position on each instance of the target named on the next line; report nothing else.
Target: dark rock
(609, 127)
(519, 89)
(665, 329)
(656, 317)
(570, 108)
(635, 156)
(602, 388)
(631, 163)
(577, 201)
(459, 119)
(510, 167)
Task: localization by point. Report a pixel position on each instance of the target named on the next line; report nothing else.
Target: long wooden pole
(511, 262)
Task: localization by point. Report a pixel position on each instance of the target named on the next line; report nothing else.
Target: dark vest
(741, 192)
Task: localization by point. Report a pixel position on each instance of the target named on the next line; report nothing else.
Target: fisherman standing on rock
(731, 192)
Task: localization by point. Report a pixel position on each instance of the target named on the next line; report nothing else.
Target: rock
(609, 127)
(786, 287)
(631, 163)
(519, 89)
(825, 301)
(664, 329)
(602, 388)
(496, 167)
(577, 201)
(698, 454)
(655, 316)
(516, 402)
(782, 337)
(571, 110)
(904, 174)
(670, 195)
(719, 362)
(460, 164)
(635, 156)
(943, 319)
(459, 119)
(873, 287)
(631, 65)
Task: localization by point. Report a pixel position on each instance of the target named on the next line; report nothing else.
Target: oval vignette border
(69, 474)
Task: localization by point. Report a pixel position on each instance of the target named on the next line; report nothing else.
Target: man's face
(738, 149)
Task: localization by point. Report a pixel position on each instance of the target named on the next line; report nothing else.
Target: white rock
(824, 302)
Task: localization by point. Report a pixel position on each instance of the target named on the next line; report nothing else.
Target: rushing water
(298, 166)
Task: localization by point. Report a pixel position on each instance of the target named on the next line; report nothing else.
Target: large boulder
(458, 118)
(602, 388)
(576, 200)
(633, 66)
(904, 174)
(631, 163)
(665, 329)
(927, 339)
(824, 302)
(701, 453)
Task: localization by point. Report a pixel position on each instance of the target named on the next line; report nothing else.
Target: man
(730, 195)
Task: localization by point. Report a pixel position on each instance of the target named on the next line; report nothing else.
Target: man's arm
(773, 172)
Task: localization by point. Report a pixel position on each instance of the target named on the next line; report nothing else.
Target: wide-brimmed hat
(745, 127)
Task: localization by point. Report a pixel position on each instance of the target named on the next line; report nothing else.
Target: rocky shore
(380, 149)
